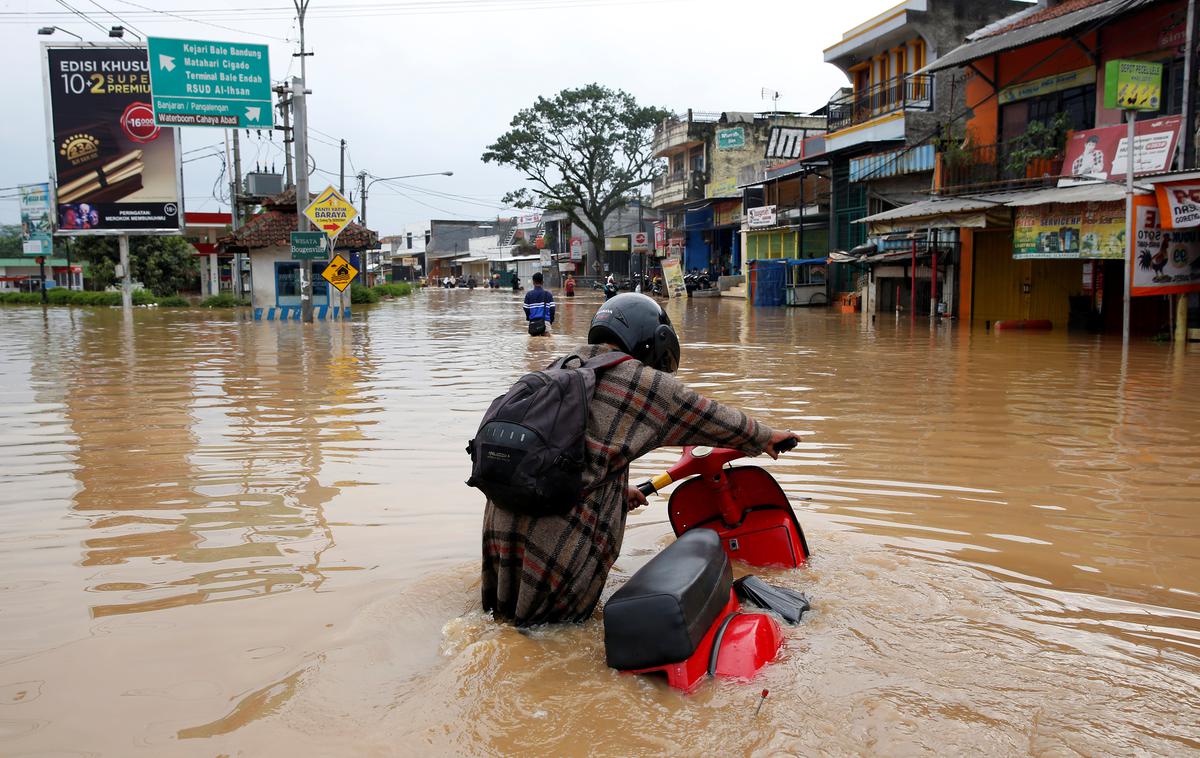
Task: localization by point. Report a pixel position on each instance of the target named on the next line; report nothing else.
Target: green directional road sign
(206, 83)
(309, 246)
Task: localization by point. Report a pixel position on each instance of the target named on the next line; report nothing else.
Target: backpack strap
(606, 361)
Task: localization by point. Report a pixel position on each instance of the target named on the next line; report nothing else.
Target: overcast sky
(425, 85)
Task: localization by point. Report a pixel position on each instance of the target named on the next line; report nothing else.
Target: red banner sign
(1165, 262)
(1100, 153)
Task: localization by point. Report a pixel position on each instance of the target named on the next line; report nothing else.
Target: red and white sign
(1179, 203)
(1100, 153)
(660, 235)
(641, 242)
(576, 249)
(138, 123)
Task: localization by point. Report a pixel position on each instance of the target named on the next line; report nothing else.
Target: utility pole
(1187, 143)
(362, 196)
(235, 182)
(285, 103)
(342, 173)
(301, 108)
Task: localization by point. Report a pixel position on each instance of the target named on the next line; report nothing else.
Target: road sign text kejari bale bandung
(204, 83)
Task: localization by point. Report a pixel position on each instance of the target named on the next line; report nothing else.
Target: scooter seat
(662, 613)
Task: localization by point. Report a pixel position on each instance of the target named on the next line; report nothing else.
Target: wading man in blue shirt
(539, 307)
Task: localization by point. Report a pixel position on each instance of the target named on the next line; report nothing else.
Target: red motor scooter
(680, 614)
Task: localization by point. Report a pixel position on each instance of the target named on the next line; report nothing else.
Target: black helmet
(640, 327)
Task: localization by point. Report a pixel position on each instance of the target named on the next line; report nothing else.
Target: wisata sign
(115, 171)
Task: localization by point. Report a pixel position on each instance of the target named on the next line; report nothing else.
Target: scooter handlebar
(647, 488)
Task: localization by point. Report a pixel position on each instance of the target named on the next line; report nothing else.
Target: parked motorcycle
(680, 614)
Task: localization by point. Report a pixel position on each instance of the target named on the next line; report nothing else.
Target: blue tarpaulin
(767, 281)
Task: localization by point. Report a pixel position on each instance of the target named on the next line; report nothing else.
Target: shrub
(20, 298)
(174, 301)
(363, 295)
(393, 290)
(223, 300)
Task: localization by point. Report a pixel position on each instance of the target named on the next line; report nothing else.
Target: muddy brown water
(220, 537)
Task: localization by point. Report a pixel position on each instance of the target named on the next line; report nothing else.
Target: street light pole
(364, 186)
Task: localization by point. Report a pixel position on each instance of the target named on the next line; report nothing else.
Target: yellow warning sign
(340, 272)
(330, 212)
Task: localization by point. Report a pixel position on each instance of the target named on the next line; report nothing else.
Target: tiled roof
(274, 224)
(1054, 11)
(274, 227)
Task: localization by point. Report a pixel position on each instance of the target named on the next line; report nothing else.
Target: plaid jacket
(553, 568)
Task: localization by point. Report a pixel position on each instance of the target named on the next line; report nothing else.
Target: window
(696, 159)
(408, 241)
(287, 279)
(677, 166)
(1078, 103)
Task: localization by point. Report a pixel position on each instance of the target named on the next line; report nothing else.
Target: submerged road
(227, 537)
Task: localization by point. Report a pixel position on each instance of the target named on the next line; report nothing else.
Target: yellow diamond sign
(340, 272)
(330, 212)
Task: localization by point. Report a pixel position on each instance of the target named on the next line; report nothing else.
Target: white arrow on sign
(166, 61)
(252, 113)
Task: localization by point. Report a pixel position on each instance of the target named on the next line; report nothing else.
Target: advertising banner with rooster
(1165, 261)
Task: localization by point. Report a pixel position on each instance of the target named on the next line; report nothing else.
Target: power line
(125, 23)
(199, 21)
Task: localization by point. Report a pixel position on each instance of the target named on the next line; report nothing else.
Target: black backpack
(528, 455)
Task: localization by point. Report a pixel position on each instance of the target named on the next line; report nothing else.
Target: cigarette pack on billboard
(115, 171)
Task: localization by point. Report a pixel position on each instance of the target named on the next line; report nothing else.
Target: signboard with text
(576, 249)
(208, 83)
(1179, 203)
(1164, 261)
(1070, 230)
(37, 219)
(1100, 153)
(1133, 85)
(330, 212)
(673, 276)
(114, 170)
(731, 139)
(762, 216)
(1046, 85)
(309, 246)
(641, 242)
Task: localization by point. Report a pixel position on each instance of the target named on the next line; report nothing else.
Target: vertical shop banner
(1100, 153)
(1070, 230)
(115, 170)
(1165, 262)
(660, 237)
(37, 221)
(673, 276)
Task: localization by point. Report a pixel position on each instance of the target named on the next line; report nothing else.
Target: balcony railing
(997, 166)
(914, 92)
(677, 186)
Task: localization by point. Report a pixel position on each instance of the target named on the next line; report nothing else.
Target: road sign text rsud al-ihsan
(206, 83)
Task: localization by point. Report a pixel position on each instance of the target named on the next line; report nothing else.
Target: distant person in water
(569, 286)
(539, 306)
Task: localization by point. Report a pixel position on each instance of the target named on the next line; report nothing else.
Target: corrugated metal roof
(1082, 193)
(1025, 35)
(944, 207)
(892, 163)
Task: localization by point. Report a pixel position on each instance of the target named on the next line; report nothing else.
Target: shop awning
(980, 211)
(470, 259)
(1054, 26)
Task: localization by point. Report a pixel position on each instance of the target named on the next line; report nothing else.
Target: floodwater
(220, 537)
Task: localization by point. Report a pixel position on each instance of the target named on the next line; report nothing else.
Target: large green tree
(164, 265)
(585, 152)
(10, 241)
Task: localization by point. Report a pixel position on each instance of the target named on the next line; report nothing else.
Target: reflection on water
(1004, 529)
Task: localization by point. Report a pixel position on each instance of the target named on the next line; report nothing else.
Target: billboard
(37, 223)
(1070, 230)
(1100, 153)
(115, 171)
(1179, 203)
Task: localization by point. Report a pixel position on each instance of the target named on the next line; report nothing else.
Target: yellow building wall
(770, 245)
(1021, 289)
